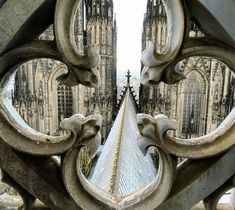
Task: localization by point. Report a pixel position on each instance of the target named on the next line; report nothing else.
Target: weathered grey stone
(215, 18)
(81, 62)
(23, 20)
(211, 202)
(2, 2)
(194, 182)
(28, 199)
(39, 176)
(155, 65)
(199, 179)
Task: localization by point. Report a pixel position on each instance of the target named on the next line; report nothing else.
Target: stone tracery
(85, 131)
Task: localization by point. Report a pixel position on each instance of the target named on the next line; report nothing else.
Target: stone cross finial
(128, 76)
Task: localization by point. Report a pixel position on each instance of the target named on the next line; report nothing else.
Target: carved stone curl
(223, 137)
(214, 143)
(153, 130)
(155, 65)
(13, 130)
(88, 196)
(82, 67)
(86, 131)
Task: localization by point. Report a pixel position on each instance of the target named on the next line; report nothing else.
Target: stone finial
(152, 130)
(86, 130)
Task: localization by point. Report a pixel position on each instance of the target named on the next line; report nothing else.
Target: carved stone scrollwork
(74, 191)
(155, 65)
(154, 73)
(85, 130)
(14, 130)
(204, 46)
(81, 70)
(82, 66)
(153, 130)
(209, 145)
(87, 133)
(153, 133)
(88, 196)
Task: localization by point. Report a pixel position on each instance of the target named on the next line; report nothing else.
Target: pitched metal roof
(122, 168)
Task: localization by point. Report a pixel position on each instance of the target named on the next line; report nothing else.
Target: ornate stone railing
(26, 155)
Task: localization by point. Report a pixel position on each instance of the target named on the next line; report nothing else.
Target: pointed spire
(115, 22)
(149, 9)
(121, 156)
(128, 76)
(149, 6)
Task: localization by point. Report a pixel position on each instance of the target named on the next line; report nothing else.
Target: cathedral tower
(101, 32)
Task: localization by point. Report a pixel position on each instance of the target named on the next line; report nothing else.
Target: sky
(129, 15)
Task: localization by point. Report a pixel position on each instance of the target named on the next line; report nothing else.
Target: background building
(203, 100)
(41, 99)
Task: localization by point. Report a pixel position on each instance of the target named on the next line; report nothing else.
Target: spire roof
(128, 76)
(132, 92)
(122, 168)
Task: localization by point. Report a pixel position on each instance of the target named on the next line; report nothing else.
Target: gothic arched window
(192, 94)
(65, 101)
